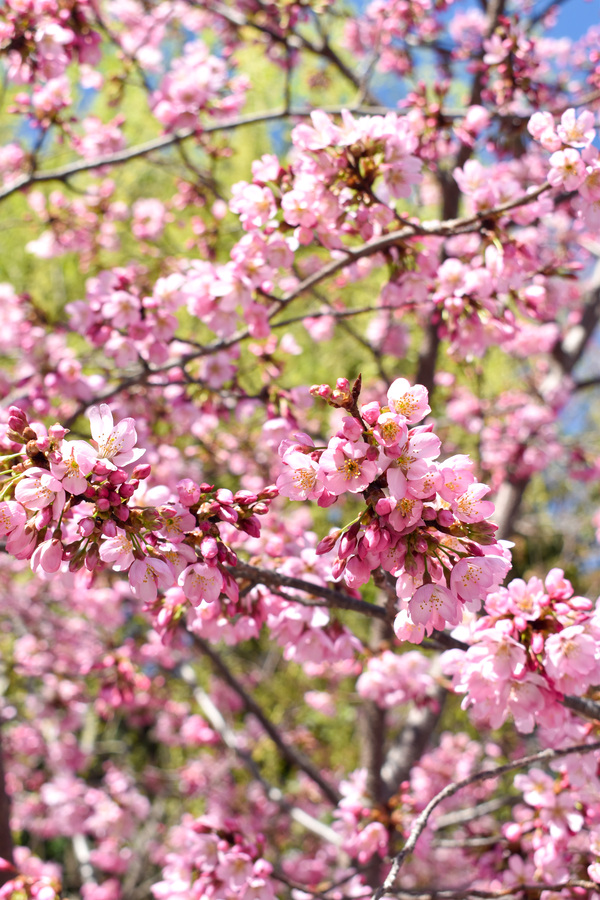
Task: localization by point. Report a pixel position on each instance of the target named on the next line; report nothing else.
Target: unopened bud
(121, 513)
(268, 493)
(92, 558)
(251, 526)
(86, 527)
(119, 476)
(142, 471)
(321, 390)
(57, 432)
(328, 543)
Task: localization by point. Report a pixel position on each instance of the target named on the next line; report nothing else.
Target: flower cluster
(74, 503)
(574, 161)
(425, 522)
(537, 642)
(214, 860)
(195, 81)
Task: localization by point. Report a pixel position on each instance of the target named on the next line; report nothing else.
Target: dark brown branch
(335, 599)
(288, 752)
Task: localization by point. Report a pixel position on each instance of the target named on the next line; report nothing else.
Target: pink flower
(47, 556)
(116, 444)
(474, 576)
(200, 583)
(433, 605)
(345, 466)
(149, 575)
(39, 489)
(390, 429)
(469, 507)
(78, 460)
(567, 169)
(118, 551)
(578, 131)
(408, 401)
(177, 521)
(300, 480)
(571, 659)
(12, 516)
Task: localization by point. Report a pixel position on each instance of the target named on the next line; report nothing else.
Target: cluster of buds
(424, 522)
(72, 504)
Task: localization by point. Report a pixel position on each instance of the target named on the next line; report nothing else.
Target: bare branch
(335, 599)
(290, 753)
(451, 789)
(217, 721)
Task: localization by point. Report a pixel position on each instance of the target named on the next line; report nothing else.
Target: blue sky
(575, 17)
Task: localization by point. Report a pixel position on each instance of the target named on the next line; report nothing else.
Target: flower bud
(92, 558)
(251, 526)
(119, 476)
(141, 472)
(56, 432)
(328, 543)
(121, 513)
(86, 527)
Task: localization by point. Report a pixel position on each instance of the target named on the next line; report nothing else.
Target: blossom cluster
(212, 859)
(536, 642)
(425, 522)
(73, 503)
(574, 161)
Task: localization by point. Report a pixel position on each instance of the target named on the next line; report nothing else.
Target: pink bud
(337, 568)
(209, 548)
(121, 513)
(92, 558)
(119, 476)
(109, 529)
(103, 504)
(384, 506)
(370, 412)
(57, 432)
(327, 544)
(251, 526)
(445, 518)
(141, 472)
(86, 527)
(268, 493)
(537, 642)
(17, 413)
(127, 490)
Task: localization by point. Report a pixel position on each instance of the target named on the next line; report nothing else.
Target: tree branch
(451, 789)
(229, 737)
(288, 752)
